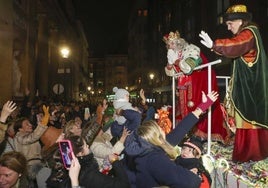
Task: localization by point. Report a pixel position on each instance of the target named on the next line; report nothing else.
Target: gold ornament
(190, 104)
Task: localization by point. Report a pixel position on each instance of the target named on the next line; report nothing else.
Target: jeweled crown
(171, 36)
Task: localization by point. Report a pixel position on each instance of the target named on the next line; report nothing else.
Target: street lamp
(65, 52)
(151, 76)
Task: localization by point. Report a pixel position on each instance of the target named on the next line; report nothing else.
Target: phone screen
(87, 110)
(66, 152)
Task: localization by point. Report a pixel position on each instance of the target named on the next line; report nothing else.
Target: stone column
(6, 37)
(42, 56)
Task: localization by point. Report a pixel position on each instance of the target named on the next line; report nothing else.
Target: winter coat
(102, 147)
(90, 177)
(133, 120)
(28, 143)
(3, 128)
(151, 165)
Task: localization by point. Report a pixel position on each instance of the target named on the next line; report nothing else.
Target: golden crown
(237, 9)
(171, 36)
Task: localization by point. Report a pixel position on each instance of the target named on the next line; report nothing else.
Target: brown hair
(77, 143)
(18, 124)
(15, 161)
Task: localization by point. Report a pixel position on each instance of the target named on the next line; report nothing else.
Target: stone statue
(16, 74)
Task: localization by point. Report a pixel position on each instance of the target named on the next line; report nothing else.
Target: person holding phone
(66, 152)
(88, 176)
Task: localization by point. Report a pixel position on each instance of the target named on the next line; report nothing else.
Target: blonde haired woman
(153, 153)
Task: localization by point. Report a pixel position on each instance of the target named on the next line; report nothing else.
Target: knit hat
(120, 94)
(121, 98)
(237, 12)
(195, 143)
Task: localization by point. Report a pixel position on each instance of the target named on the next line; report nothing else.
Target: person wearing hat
(183, 58)
(125, 114)
(248, 91)
(190, 158)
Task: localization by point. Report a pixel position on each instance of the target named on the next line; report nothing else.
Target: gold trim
(237, 9)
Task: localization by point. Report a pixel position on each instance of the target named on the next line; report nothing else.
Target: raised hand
(8, 108)
(142, 95)
(45, 118)
(206, 40)
(124, 135)
(208, 100)
(171, 56)
(74, 171)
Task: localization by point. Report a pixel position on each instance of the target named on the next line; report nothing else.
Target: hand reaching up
(142, 95)
(45, 118)
(208, 100)
(8, 108)
(124, 135)
(74, 171)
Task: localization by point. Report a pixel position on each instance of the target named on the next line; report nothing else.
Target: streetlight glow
(151, 76)
(65, 52)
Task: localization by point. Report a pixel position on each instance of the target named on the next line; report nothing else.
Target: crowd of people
(102, 152)
(122, 145)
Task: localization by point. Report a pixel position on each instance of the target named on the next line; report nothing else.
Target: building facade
(32, 33)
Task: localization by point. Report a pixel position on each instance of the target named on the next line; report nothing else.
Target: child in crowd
(190, 158)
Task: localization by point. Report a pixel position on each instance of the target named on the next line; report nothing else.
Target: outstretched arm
(187, 123)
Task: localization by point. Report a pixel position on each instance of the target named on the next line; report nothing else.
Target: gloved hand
(45, 118)
(206, 40)
(208, 100)
(171, 56)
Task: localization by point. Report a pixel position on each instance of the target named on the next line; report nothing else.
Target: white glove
(206, 40)
(171, 56)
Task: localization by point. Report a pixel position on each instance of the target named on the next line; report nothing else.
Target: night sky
(106, 25)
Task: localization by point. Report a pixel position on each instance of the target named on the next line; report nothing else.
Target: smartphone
(66, 152)
(86, 110)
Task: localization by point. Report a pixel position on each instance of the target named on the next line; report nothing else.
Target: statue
(16, 74)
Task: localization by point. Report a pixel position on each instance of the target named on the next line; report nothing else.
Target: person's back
(157, 164)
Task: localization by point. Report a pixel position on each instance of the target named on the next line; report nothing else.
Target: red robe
(190, 89)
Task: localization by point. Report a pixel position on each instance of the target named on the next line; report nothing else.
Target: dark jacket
(152, 165)
(90, 177)
(133, 120)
